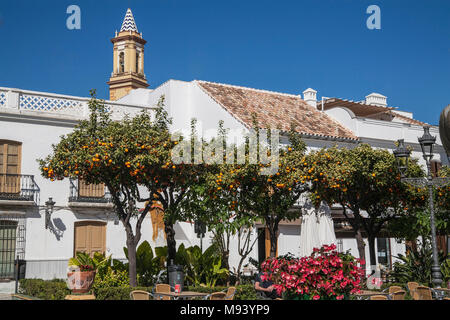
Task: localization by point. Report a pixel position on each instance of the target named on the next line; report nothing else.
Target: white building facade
(30, 122)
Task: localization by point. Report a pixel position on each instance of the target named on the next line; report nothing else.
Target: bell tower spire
(128, 65)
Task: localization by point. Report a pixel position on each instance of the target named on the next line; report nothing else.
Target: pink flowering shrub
(326, 274)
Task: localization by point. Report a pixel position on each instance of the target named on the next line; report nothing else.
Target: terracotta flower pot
(80, 281)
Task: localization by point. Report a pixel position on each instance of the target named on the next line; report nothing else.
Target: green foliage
(417, 221)
(254, 191)
(124, 155)
(445, 270)
(57, 290)
(111, 278)
(148, 265)
(362, 179)
(98, 262)
(44, 289)
(201, 268)
(416, 266)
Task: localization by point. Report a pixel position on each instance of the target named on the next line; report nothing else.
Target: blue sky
(284, 46)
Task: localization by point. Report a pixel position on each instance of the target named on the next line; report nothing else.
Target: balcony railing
(81, 192)
(18, 187)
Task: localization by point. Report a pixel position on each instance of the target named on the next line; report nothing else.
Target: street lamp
(200, 230)
(402, 154)
(49, 205)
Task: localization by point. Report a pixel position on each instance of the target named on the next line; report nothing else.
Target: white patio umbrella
(317, 228)
(326, 225)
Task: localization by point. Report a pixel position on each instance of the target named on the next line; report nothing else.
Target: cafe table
(368, 293)
(440, 293)
(183, 295)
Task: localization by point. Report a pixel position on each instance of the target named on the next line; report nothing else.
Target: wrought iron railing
(80, 192)
(18, 187)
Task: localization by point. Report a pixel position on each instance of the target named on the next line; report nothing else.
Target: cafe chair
(230, 292)
(217, 295)
(393, 289)
(398, 295)
(412, 288)
(140, 295)
(423, 293)
(378, 297)
(162, 288)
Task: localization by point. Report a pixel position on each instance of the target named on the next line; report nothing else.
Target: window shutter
(81, 238)
(91, 190)
(98, 238)
(10, 158)
(90, 237)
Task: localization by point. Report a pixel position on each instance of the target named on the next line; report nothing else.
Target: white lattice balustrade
(49, 104)
(2, 99)
(54, 104)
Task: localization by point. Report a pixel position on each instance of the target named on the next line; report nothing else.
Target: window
(10, 159)
(90, 237)
(137, 62)
(435, 167)
(7, 248)
(121, 62)
(384, 251)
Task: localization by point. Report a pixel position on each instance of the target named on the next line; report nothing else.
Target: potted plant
(82, 270)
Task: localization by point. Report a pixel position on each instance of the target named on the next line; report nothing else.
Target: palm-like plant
(416, 265)
(98, 262)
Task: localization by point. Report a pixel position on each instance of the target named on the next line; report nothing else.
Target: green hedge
(57, 290)
(44, 289)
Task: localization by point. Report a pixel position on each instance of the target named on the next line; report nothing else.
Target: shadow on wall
(57, 227)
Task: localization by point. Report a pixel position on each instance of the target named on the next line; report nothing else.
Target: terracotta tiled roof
(276, 110)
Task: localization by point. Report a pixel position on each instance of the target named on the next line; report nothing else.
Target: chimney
(376, 99)
(310, 97)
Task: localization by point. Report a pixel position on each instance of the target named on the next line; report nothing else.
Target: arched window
(121, 62)
(137, 62)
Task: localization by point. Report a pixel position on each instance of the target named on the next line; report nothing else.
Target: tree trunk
(273, 230)
(372, 254)
(171, 242)
(225, 259)
(131, 246)
(361, 245)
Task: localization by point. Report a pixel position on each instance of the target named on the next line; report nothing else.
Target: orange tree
(417, 222)
(124, 155)
(366, 183)
(219, 211)
(257, 193)
(171, 178)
